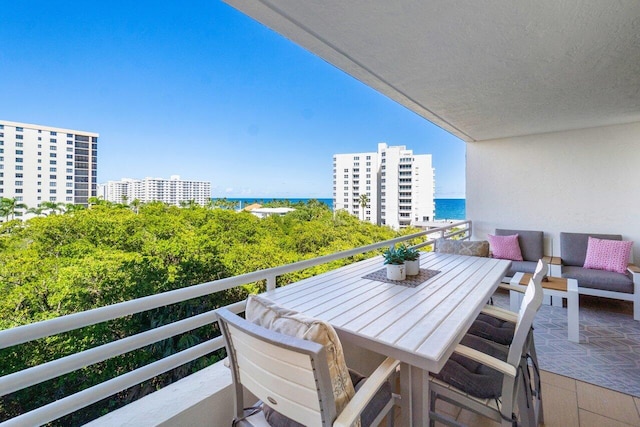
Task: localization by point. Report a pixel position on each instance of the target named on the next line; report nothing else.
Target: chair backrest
(531, 303)
(573, 246)
(289, 374)
(531, 242)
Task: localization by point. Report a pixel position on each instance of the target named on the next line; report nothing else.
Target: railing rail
(31, 376)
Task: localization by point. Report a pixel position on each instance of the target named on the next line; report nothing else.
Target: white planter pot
(396, 272)
(412, 267)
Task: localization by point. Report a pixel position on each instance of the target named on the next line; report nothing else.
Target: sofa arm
(552, 260)
(633, 269)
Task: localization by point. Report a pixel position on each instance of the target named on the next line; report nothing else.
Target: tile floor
(567, 403)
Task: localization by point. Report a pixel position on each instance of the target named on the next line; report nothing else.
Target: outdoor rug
(608, 354)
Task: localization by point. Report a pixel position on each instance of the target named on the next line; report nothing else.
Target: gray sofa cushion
(599, 279)
(522, 266)
(573, 246)
(531, 243)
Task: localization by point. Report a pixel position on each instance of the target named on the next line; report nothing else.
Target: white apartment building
(398, 184)
(171, 191)
(47, 164)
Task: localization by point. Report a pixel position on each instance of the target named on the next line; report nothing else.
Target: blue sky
(200, 90)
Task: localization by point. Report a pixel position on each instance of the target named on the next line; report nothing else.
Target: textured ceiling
(479, 69)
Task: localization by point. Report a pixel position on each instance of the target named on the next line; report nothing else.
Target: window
(69, 156)
(18, 167)
(69, 177)
(70, 149)
(69, 163)
(19, 129)
(19, 137)
(69, 142)
(19, 159)
(52, 199)
(53, 147)
(18, 190)
(52, 191)
(52, 154)
(69, 170)
(52, 140)
(69, 199)
(19, 152)
(52, 177)
(52, 162)
(53, 133)
(52, 170)
(19, 175)
(69, 184)
(19, 144)
(18, 182)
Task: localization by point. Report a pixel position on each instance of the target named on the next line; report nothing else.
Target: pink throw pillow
(505, 247)
(608, 255)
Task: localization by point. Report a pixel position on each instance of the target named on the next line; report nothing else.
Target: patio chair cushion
(493, 329)
(267, 314)
(472, 377)
(505, 247)
(608, 255)
(367, 417)
(599, 279)
(463, 247)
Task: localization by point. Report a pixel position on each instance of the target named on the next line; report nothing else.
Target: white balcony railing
(28, 377)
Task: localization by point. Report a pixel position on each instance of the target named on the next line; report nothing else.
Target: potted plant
(411, 258)
(394, 261)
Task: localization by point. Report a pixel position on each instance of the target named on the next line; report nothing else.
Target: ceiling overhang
(479, 69)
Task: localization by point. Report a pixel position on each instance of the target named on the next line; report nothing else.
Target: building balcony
(206, 397)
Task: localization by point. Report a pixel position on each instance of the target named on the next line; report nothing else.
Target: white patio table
(420, 326)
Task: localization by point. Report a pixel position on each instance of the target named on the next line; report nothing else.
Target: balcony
(206, 397)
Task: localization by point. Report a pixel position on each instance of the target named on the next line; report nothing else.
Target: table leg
(573, 310)
(414, 389)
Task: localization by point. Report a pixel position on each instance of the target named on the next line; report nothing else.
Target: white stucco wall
(577, 181)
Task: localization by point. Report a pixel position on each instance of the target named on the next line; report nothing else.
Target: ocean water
(445, 208)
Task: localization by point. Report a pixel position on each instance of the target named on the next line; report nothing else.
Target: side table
(555, 287)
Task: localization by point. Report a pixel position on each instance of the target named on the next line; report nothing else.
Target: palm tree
(37, 211)
(52, 207)
(135, 205)
(8, 207)
(364, 202)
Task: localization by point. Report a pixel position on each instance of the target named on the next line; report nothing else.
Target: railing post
(271, 283)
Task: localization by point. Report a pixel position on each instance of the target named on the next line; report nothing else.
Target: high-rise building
(397, 186)
(171, 191)
(47, 164)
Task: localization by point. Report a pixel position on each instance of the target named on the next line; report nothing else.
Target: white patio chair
(291, 375)
(489, 379)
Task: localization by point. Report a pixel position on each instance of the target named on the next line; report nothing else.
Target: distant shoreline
(446, 208)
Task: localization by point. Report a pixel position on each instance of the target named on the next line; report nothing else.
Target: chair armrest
(486, 360)
(508, 287)
(368, 390)
(500, 313)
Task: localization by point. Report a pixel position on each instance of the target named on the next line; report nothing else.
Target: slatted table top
(420, 325)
